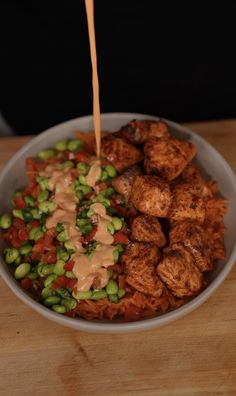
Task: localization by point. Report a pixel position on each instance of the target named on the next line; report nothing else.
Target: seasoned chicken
(138, 132)
(187, 204)
(167, 157)
(215, 233)
(120, 152)
(140, 260)
(192, 175)
(194, 237)
(147, 228)
(151, 195)
(123, 183)
(178, 271)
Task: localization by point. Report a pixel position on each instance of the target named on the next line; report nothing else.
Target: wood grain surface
(194, 356)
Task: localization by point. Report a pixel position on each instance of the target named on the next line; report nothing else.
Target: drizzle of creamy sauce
(65, 200)
(86, 270)
(94, 174)
(102, 235)
(89, 4)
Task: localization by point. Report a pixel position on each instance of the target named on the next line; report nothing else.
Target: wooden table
(193, 356)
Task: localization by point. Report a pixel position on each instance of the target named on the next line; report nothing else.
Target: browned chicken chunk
(138, 132)
(151, 195)
(147, 228)
(120, 152)
(187, 204)
(123, 183)
(178, 271)
(194, 237)
(140, 261)
(192, 175)
(167, 157)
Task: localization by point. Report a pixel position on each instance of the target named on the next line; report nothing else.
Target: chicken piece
(192, 175)
(120, 152)
(123, 183)
(178, 271)
(187, 204)
(215, 233)
(151, 195)
(194, 237)
(147, 228)
(137, 132)
(140, 260)
(167, 157)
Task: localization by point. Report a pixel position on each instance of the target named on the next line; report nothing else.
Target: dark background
(175, 59)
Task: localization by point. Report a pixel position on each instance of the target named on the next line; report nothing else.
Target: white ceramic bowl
(13, 177)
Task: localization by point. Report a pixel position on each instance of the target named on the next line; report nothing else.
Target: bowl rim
(124, 327)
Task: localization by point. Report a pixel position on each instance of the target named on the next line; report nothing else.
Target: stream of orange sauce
(89, 4)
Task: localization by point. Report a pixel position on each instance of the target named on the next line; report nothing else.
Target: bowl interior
(210, 161)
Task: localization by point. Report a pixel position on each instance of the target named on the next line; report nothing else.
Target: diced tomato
(31, 164)
(61, 281)
(35, 256)
(120, 237)
(33, 224)
(132, 313)
(102, 186)
(26, 283)
(70, 313)
(16, 242)
(38, 247)
(20, 203)
(35, 191)
(69, 265)
(49, 258)
(71, 283)
(82, 156)
(90, 236)
(18, 223)
(23, 234)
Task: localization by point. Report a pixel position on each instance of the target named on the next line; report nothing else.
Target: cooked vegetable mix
(131, 234)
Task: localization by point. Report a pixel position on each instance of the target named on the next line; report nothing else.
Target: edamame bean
(59, 308)
(83, 168)
(111, 171)
(50, 279)
(46, 292)
(108, 192)
(18, 214)
(47, 269)
(63, 293)
(82, 180)
(22, 270)
(68, 245)
(52, 300)
(43, 196)
(117, 223)
(104, 175)
(59, 227)
(47, 206)
(75, 145)
(90, 212)
(69, 303)
(61, 145)
(11, 254)
(110, 228)
(45, 154)
(110, 273)
(32, 275)
(113, 298)
(62, 237)
(36, 214)
(99, 295)
(112, 287)
(62, 255)
(58, 268)
(29, 201)
(84, 189)
(18, 260)
(82, 295)
(116, 255)
(101, 199)
(70, 275)
(43, 182)
(68, 164)
(5, 221)
(35, 234)
(121, 293)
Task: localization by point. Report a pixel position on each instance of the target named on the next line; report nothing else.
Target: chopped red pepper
(23, 234)
(82, 156)
(18, 223)
(69, 265)
(26, 283)
(20, 203)
(120, 237)
(90, 236)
